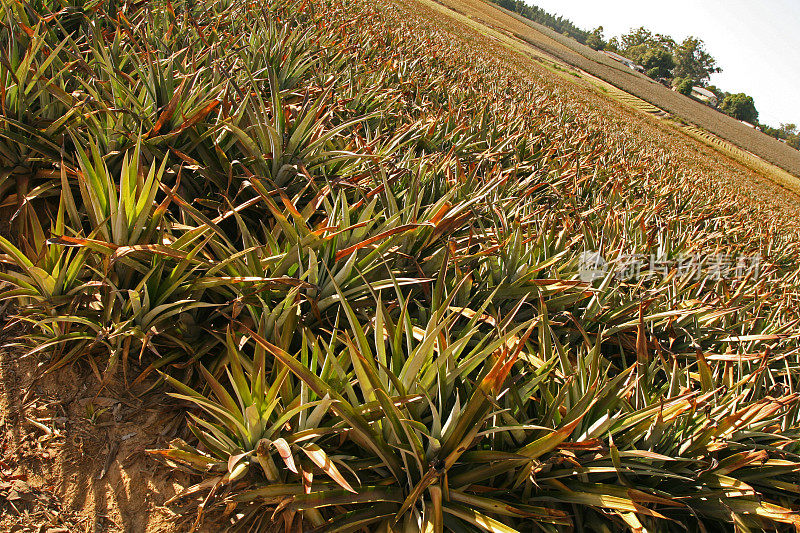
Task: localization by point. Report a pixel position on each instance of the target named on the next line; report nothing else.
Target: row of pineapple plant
(353, 248)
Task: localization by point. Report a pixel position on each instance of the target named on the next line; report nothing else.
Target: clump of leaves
(353, 251)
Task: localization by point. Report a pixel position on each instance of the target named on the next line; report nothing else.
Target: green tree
(651, 50)
(658, 63)
(636, 52)
(685, 86)
(595, 39)
(741, 107)
(693, 61)
(636, 37)
(792, 136)
(643, 37)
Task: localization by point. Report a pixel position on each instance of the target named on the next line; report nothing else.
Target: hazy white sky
(756, 43)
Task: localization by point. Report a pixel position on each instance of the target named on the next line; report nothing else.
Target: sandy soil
(72, 458)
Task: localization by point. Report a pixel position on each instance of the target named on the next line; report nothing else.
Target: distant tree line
(786, 132)
(537, 14)
(683, 65)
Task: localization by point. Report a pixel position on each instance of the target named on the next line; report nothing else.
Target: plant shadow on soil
(68, 467)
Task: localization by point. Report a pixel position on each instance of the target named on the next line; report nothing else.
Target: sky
(757, 44)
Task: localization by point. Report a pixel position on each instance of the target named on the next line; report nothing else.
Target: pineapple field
(344, 266)
(575, 54)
